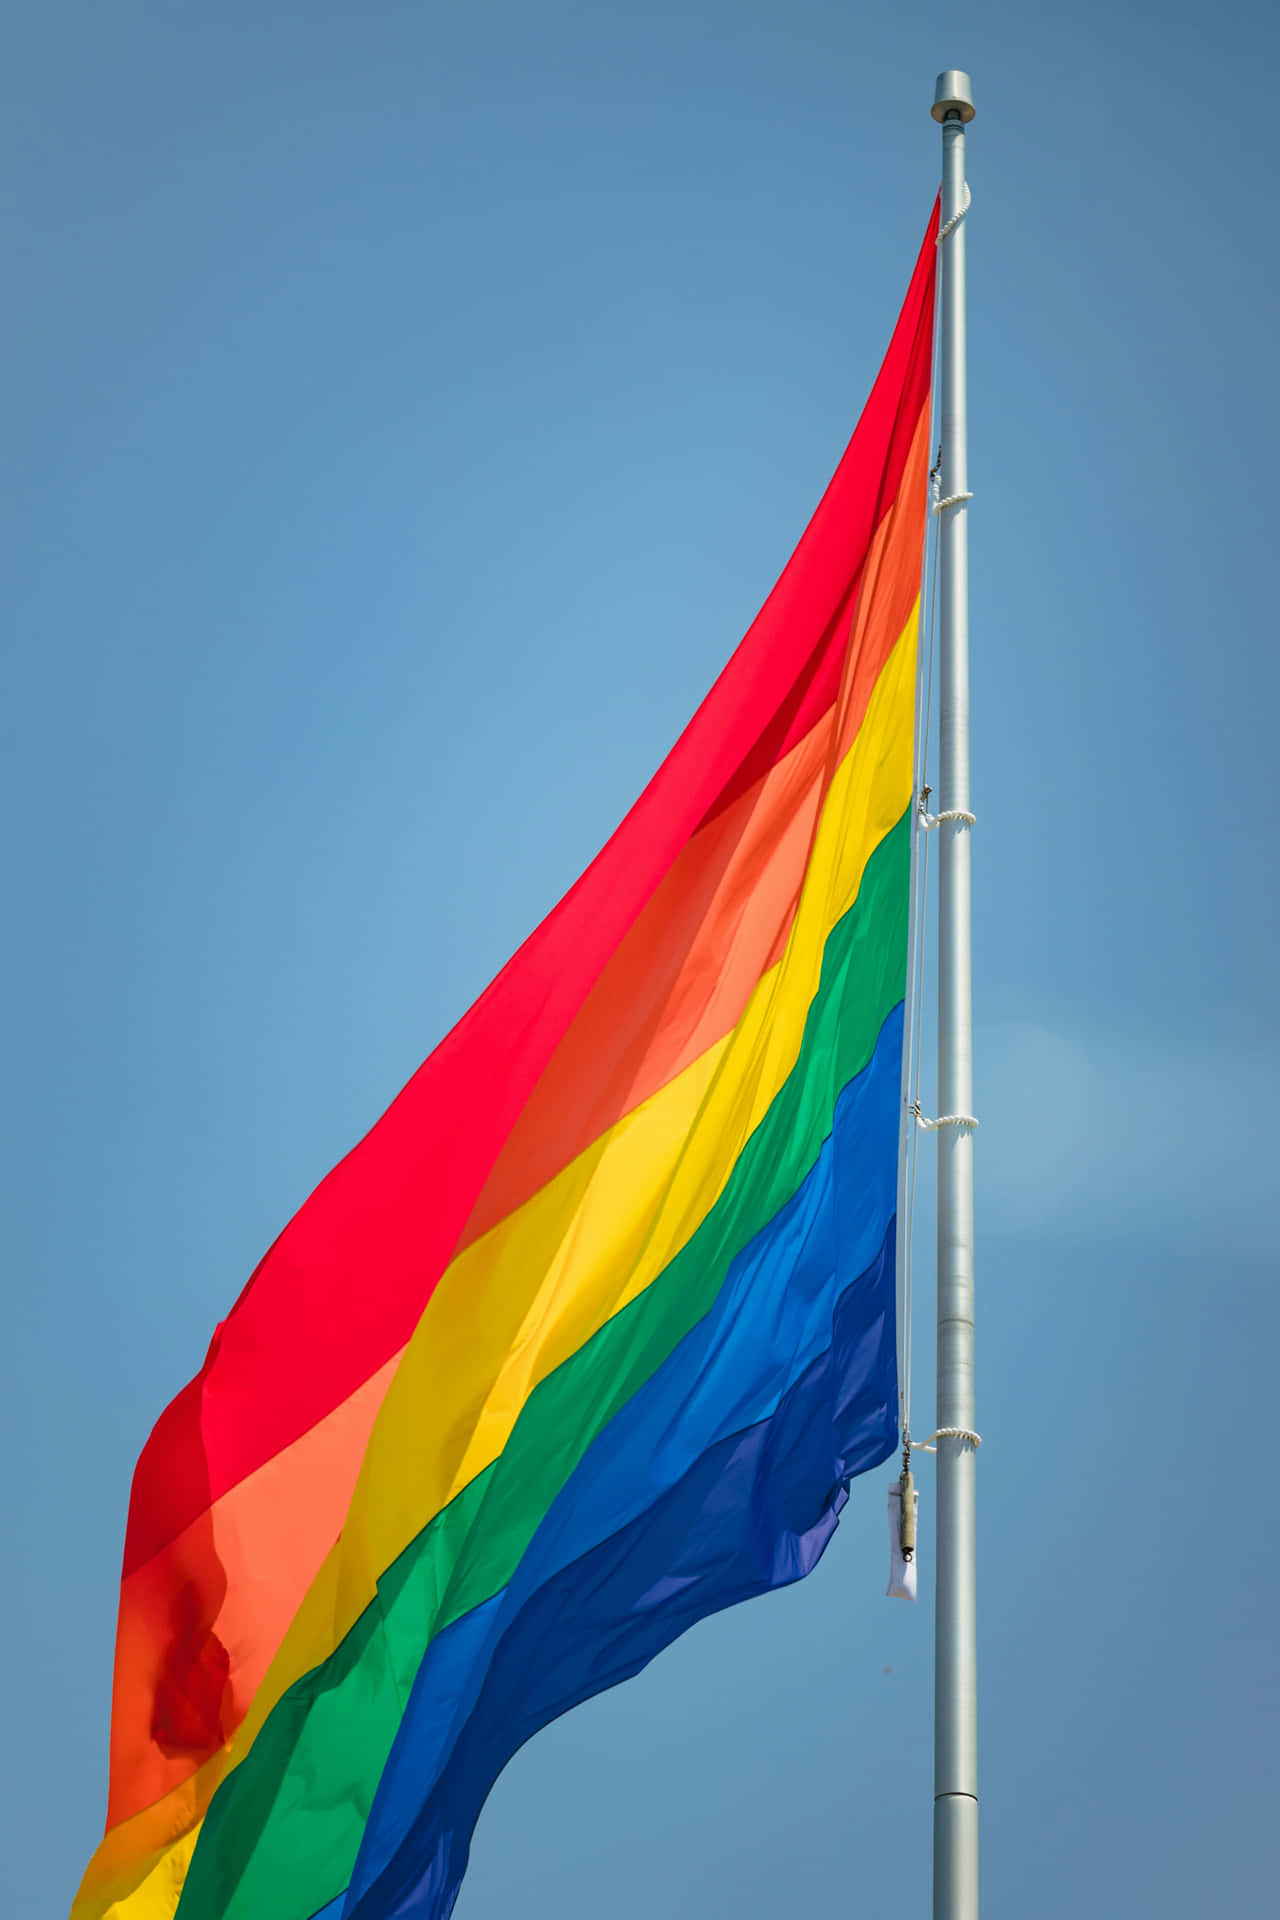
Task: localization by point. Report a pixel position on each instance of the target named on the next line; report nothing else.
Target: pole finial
(953, 93)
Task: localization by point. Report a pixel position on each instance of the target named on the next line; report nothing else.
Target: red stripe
(343, 1286)
(820, 582)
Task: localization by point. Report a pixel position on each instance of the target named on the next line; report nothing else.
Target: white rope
(965, 1121)
(931, 820)
(920, 880)
(946, 1433)
(952, 500)
(956, 218)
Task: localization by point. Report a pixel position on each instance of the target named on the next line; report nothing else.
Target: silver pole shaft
(955, 1749)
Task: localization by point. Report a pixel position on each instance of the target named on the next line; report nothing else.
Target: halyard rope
(924, 718)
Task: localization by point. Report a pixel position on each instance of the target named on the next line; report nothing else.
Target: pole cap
(953, 93)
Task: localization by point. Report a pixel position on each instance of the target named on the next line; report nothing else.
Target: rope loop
(946, 231)
(965, 1121)
(947, 1433)
(928, 821)
(952, 500)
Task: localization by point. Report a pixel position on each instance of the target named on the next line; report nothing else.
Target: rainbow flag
(587, 1337)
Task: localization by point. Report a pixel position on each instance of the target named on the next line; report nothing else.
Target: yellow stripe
(526, 1296)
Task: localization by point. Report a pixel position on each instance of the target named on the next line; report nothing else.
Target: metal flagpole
(955, 1721)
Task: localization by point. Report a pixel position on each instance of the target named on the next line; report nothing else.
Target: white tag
(902, 1573)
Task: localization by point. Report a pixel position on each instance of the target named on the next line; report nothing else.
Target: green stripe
(282, 1832)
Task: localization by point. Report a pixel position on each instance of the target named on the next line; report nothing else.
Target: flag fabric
(588, 1335)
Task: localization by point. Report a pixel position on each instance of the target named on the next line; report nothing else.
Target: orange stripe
(244, 1565)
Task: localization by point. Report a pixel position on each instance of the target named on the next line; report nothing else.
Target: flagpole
(955, 1724)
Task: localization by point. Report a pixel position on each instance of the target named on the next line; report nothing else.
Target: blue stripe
(721, 1477)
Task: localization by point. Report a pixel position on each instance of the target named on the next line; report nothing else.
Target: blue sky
(407, 409)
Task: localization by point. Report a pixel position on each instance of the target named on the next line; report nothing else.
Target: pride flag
(587, 1337)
